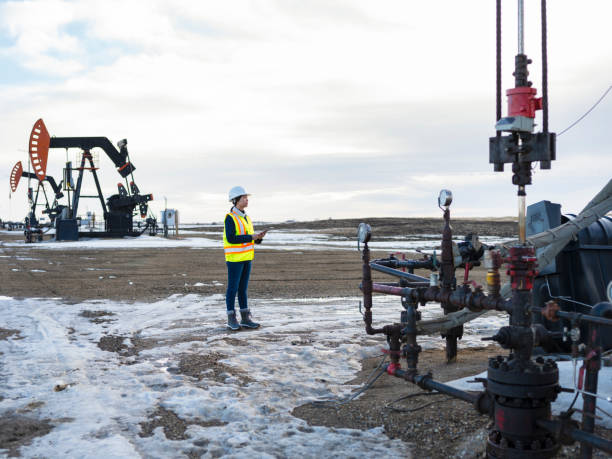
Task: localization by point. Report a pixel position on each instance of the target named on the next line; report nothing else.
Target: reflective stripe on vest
(239, 252)
(240, 229)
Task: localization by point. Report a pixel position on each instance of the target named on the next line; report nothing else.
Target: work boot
(232, 323)
(246, 321)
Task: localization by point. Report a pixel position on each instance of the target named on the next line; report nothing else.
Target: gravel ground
(431, 426)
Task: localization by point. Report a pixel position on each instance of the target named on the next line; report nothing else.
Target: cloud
(323, 108)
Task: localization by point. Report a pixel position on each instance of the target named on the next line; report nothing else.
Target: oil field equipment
(170, 221)
(519, 387)
(118, 209)
(33, 229)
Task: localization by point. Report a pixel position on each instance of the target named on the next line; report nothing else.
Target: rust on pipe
(448, 284)
(474, 301)
(447, 266)
(366, 287)
(390, 290)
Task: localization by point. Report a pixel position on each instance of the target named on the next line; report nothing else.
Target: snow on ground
(276, 239)
(141, 242)
(305, 351)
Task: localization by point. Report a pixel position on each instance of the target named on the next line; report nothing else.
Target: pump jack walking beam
(118, 157)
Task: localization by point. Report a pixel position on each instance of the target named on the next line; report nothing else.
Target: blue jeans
(238, 273)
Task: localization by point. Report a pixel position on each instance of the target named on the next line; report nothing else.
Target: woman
(239, 244)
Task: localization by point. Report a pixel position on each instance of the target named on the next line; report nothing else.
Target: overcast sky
(319, 108)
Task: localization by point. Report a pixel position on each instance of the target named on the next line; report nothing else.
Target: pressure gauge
(445, 198)
(609, 292)
(364, 232)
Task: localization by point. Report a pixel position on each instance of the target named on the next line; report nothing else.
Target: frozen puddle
(236, 397)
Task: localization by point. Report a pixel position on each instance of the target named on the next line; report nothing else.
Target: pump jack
(118, 209)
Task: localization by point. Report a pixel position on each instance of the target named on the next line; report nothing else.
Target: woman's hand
(259, 236)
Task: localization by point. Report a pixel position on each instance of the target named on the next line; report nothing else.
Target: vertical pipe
(521, 215)
(451, 345)
(544, 71)
(588, 412)
(366, 284)
(395, 352)
(521, 19)
(449, 282)
(447, 266)
(498, 90)
(498, 167)
(411, 349)
(367, 279)
(593, 365)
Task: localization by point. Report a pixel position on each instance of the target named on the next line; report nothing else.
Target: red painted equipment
(522, 102)
(16, 176)
(393, 367)
(39, 148)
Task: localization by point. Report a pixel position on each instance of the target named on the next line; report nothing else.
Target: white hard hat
(235, 192)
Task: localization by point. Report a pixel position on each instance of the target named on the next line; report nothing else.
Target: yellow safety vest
(239, 252)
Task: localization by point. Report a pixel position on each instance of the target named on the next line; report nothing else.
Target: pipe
(411, 348)
(521, 34)
(498, 82)
(396, 272)
(391, 290)
(576, 316)
(593, 440)
(593, 365)
(448, 283)
(459, 298)
(410, 264)
(498, 167)
(522, 215)
(366, 287)
(447, 265)
(544, 70)
(563, 428)
(427, 383)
